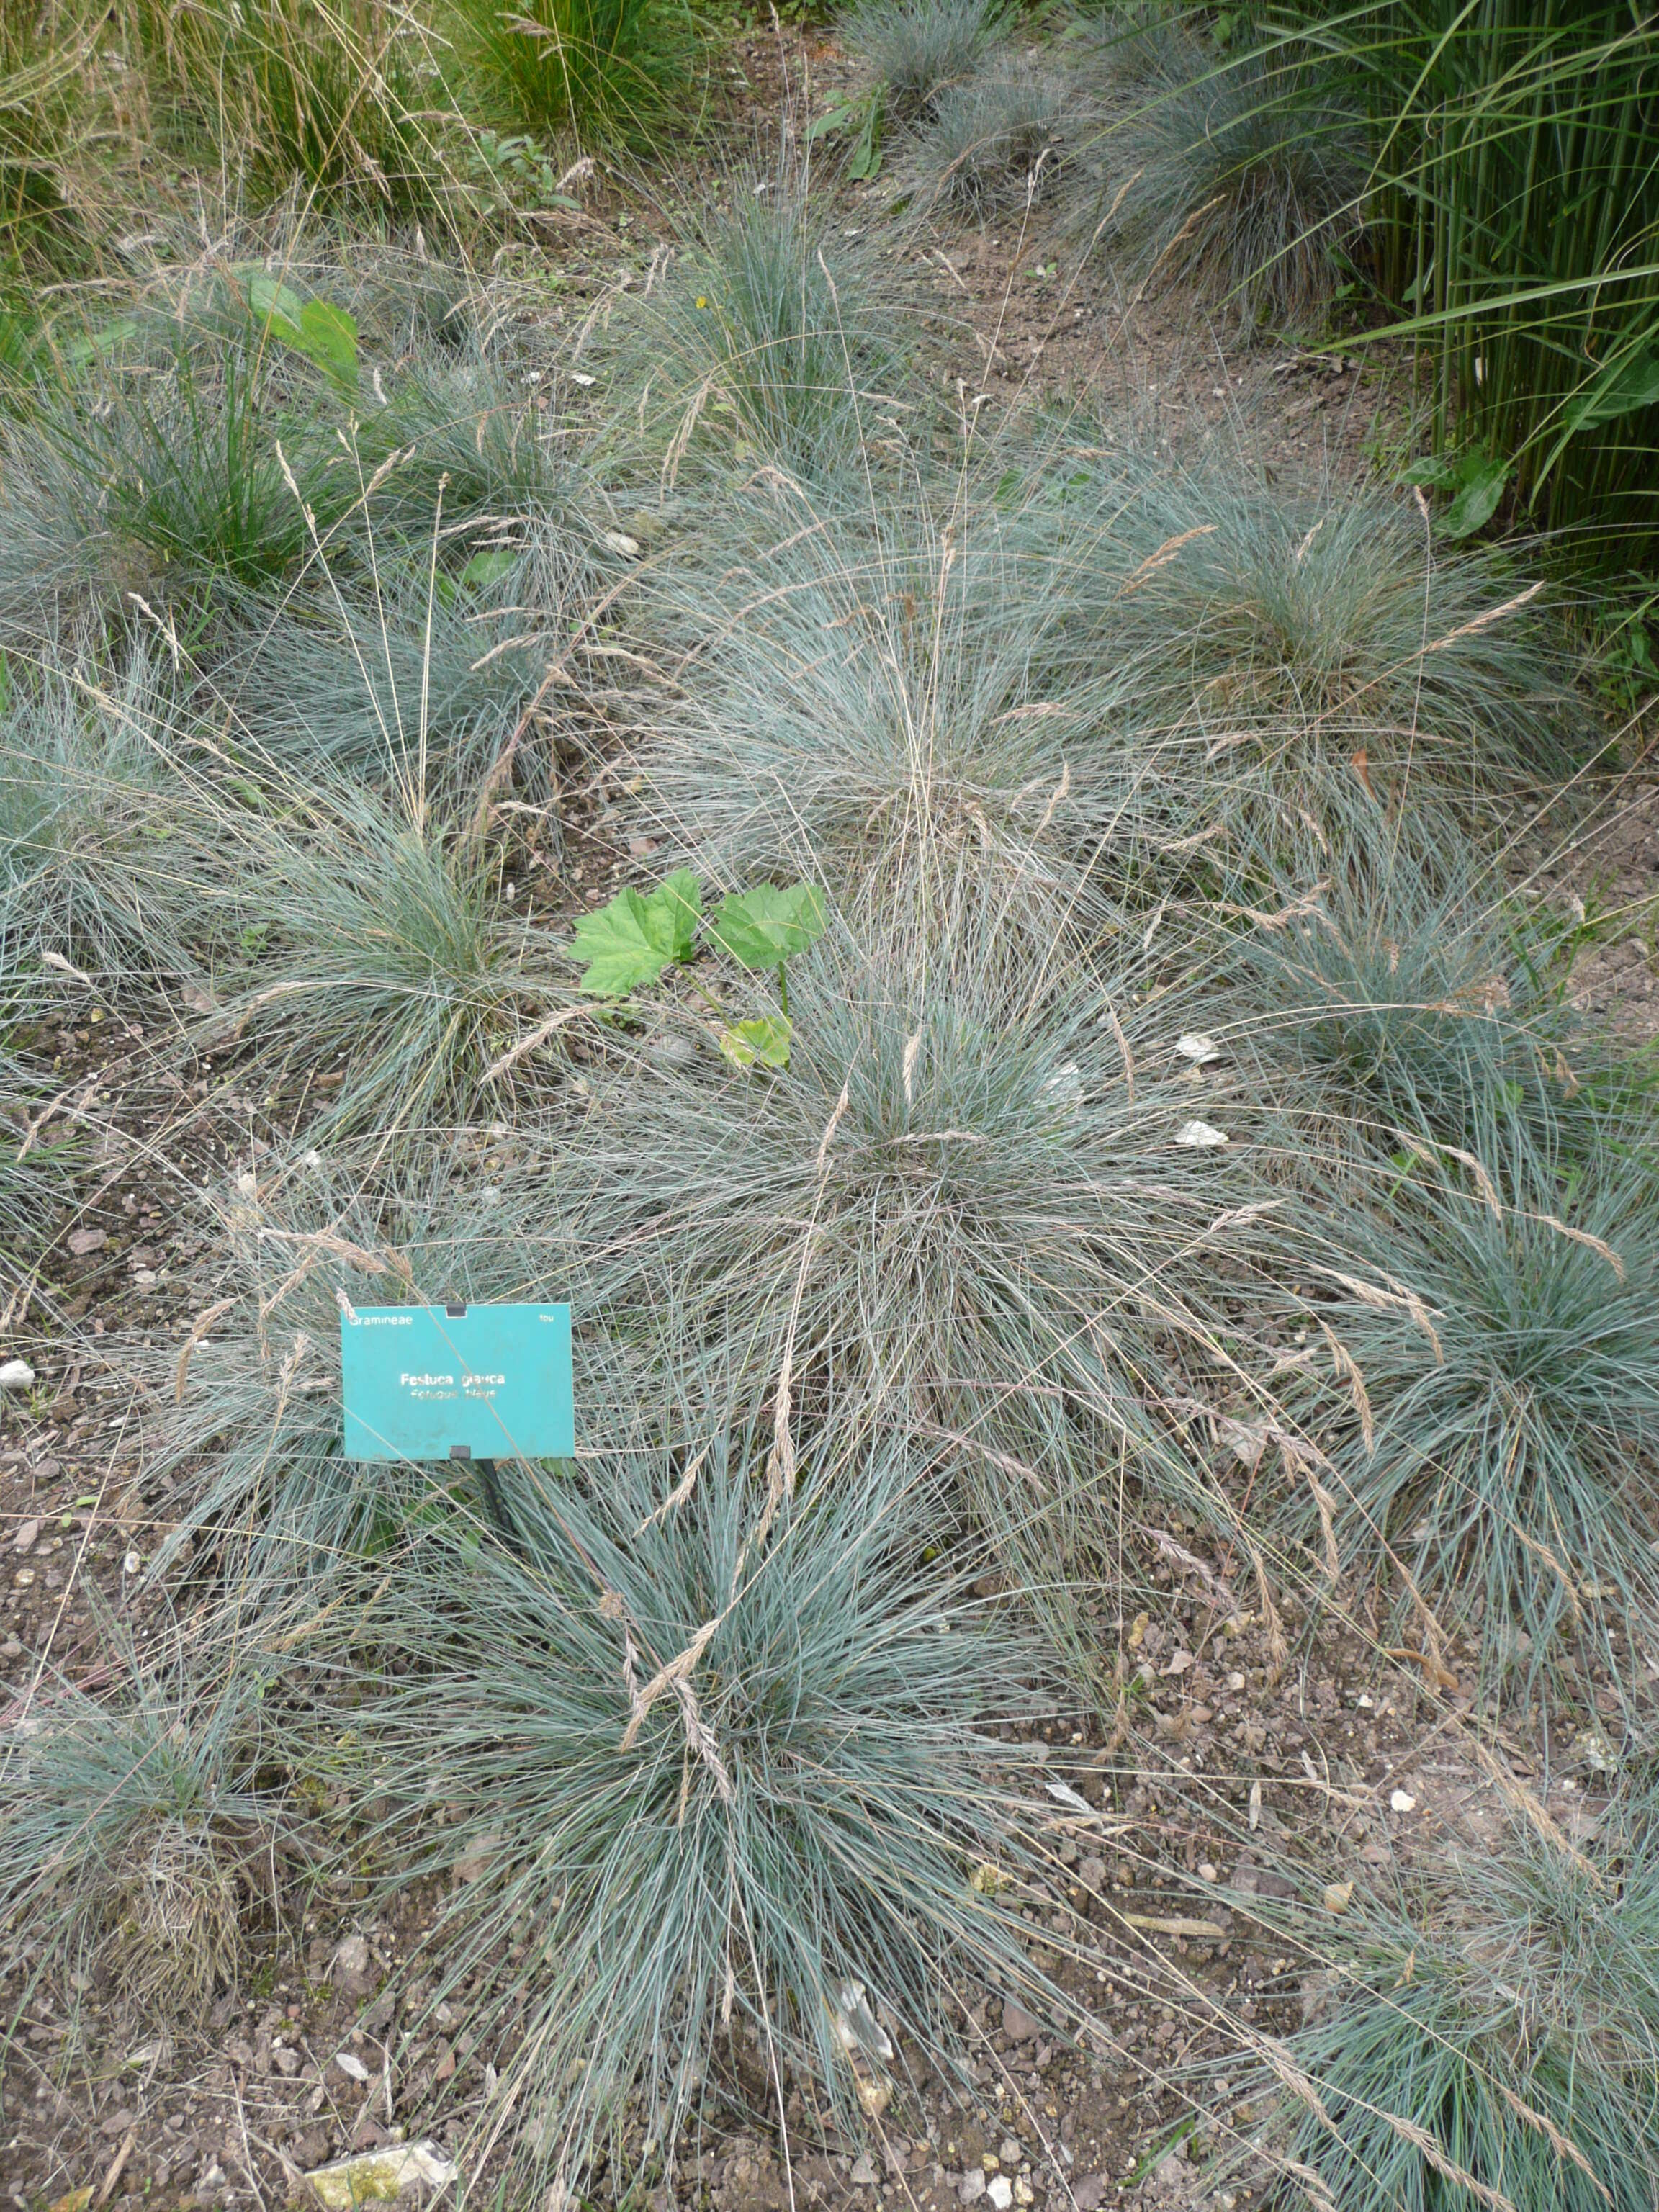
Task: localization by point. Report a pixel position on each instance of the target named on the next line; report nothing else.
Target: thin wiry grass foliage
(101, 872)
(364, 678)
(967, 1203)
(1243, 174)
(910, 53)
(138, 1833)
(615, 73)
(993, 143)
(1486, 2038)
(1499, 1298)
(385, 958)
(1392, 994)
(723, 1753)
(771, 330)
(850, 697)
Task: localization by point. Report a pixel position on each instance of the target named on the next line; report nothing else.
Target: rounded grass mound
(726, 1760)
(982, 1202)
(1487, 2036)
(1499, 1300)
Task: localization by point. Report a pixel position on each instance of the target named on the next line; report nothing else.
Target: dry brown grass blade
(676, 1498)
(1486, 620)
(1396, 1299)
(677, 1671)
(1563, 2145)
(199, 1330)
(538, 1035)
(1584, 1236)
(1433, 2154)
(1424, 1149)
(833, 1124)
(1527, 1802)
(1347, 1371)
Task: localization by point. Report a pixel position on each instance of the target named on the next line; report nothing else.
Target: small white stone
(1208, 1873)
(131, 1564)
(972, 2185)
(1200, 1137)
(16, 1374)
(1401, 1801)
(1000, 2192)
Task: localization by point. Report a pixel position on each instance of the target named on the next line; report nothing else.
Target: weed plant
(910, 53)
(1244, 175)
(1486, 2034)
(610, 74)
(1498, 1298)
(41, 132)
(710, 1866)
(159, 487)
(141, 1833)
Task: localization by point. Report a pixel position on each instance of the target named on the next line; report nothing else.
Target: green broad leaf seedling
(323, 335)
(1475, 481)
(631, 942)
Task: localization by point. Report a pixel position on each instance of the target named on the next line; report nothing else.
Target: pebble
(1018, 2024)
(1000, 2192)
(25, 1538)
(972, 2185)
(863, 2175)
(1401, 1801)
(16, 1374)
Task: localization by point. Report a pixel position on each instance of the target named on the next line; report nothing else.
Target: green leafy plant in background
(329, 93)
(612, 73)
(634, 939)
(1513, 209)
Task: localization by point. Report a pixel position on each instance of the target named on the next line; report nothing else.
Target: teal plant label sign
(458, 1383)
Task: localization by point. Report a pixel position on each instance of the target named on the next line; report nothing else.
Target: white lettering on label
(425, 1379)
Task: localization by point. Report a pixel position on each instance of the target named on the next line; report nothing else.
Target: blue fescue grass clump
(101, 873)
(1242, 174)
(725, 1748)
(772, 337)
(1392, 991)
(143, 1831)
(377, 949)
(1487, 2033)
(911, 53)
(1499, 1298)
(982, 1197)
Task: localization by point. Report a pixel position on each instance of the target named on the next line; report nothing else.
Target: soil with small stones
(327, 2045)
